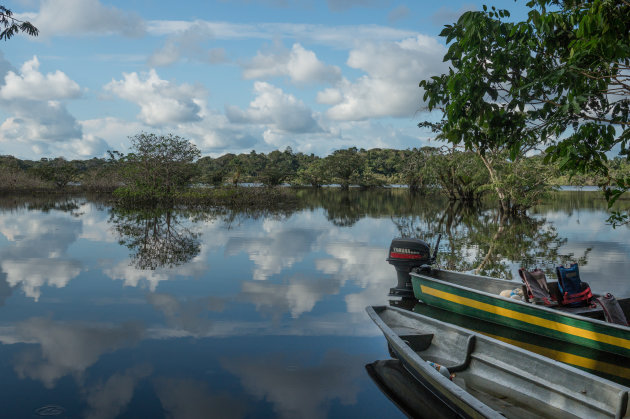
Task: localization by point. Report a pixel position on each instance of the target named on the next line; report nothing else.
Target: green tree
(415, 172)
(10, 25)
(345, 166)
(58, 171)
(158, 166)
(480, 112)
(563, 76)
(585, 85)
(315, 174)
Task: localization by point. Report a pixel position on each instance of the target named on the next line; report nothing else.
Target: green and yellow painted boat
(478, 297)
(604, 364)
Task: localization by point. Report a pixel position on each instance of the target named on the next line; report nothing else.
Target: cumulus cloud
(79, 17)
(30, 84)
(390, 87)
(34, 99)
(39, 117)
(188, 44)
(161, 102)
(300, 65)
(278, 110)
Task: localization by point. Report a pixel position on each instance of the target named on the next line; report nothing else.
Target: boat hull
(518, 315)
(604, 364)
(490, 378)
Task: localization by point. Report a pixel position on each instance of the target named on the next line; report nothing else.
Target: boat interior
(496, 286)
(512, 381)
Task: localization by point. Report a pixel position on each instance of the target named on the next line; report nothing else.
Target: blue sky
(231, 76)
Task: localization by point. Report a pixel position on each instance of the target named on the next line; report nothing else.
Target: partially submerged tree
(481, 112)
(157, 168)
(560, 80)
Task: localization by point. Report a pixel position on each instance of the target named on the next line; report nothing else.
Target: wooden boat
(478, 296)
(407, 393)
(604, 364)
(493, 379)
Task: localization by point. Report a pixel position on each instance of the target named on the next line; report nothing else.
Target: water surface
(110, 313)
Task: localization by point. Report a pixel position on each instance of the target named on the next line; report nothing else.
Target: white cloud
(39, 117)
(390, 87)
(40, 123)
(78, 17)
(85, 147)
(278, 110)
(30, 84)
(300, 65)
(161, 102)
(188, 44)
(334, 36)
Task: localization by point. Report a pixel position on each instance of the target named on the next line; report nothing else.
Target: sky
(230, 76)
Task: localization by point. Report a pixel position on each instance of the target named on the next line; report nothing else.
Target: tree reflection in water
(486, 242)
(157, 237)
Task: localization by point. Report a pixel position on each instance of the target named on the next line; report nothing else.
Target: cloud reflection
(187, 398)
(275, 251)
(298, 296)
(36, 256)
(68, 348)
(187, 315)
(299, 392)
(107, 400)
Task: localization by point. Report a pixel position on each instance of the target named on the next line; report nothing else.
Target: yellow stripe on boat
(567, 358)
(527, 318)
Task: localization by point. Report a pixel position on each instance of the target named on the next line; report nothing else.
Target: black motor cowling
(406, 254)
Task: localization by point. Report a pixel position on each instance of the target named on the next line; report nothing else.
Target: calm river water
(108, 313)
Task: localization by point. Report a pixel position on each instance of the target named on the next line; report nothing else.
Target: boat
(604, 364)
(481, 377)
(479, 297)
(405, 392)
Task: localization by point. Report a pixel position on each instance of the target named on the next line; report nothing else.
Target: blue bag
(574, 293)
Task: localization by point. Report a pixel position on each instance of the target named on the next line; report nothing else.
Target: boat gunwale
(374, 314)
(478, 406)
(517, 302)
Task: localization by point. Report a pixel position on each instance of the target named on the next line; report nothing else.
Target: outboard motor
(406, 254)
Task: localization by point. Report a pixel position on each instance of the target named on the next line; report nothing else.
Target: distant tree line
(159, 167)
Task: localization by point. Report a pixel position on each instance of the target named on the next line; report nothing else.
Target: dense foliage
(559, 81)
(458, 175)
